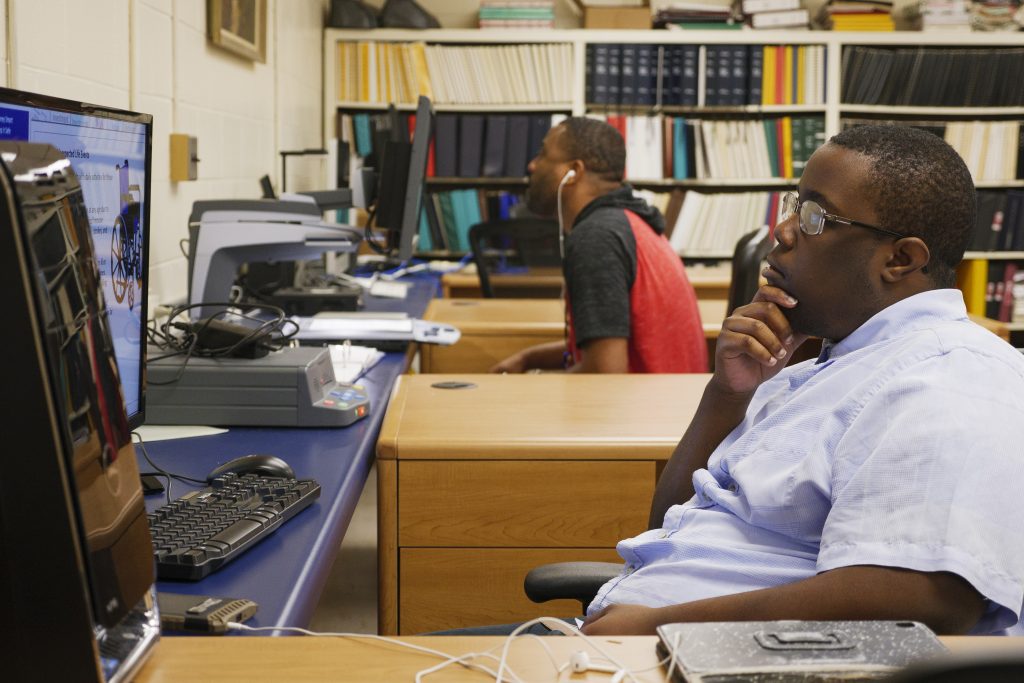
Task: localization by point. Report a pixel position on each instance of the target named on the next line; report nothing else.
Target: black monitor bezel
(415, 185)
(37, 100)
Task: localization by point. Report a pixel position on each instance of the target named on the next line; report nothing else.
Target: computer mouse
(258, 463)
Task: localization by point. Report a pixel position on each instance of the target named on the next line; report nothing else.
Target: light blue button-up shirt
(902, 447)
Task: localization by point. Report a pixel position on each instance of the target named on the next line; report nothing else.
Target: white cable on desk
(504, 672)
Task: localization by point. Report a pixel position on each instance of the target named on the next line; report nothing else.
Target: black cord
(162, 472)
(368, 233)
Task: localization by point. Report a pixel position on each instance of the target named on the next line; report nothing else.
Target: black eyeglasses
(813, 217)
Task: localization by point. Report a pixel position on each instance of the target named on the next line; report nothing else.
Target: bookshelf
(571, 96)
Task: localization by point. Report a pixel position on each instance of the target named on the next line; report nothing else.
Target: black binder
(446, 136)
(471, 139)
(517, 152)
(495, 146)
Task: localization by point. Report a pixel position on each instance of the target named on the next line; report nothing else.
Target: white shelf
(994, 255)
(1014, 327)
(553, 107)
(987, 184)
(929, 111)
(714, 182)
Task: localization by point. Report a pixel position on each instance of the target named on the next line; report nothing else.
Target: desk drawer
(442, 588)
(526, 504)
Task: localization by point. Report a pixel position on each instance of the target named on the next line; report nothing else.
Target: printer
(224, 234)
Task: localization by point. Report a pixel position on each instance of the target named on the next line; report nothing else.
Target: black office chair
(746, 266)
(575, 580)
(529, 242)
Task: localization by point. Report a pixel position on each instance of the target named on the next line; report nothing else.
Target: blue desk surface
(286, 572)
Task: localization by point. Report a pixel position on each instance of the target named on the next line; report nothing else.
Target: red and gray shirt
(624, 280)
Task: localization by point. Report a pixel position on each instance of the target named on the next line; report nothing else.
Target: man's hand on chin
(623, 620)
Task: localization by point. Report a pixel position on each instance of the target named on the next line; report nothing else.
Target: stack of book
(517, 14)
(697, 14)
(994, 15)
(775, 14)
(858, 15)
(945, 15)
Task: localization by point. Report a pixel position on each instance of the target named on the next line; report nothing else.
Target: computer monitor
(77, 591)
(402, 176)
(111, 152)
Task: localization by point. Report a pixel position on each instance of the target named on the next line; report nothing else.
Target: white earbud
(569, 175)
(579, 662)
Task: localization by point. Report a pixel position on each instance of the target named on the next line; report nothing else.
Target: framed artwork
(239, 26)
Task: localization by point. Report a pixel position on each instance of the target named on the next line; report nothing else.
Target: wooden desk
(477, 486)
(337, 660)
(494, 329)
(710, 282)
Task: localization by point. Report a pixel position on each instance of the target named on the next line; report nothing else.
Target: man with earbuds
(629, 305)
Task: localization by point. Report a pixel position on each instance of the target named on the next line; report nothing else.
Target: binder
(517, 146)
(495, 145)
(446, 136)
(690, 75)
(471, 140)
(540, 124)
(628, 78)
(614, 73)
(755, 74)
(711, 75)
(602, 58)
(646, 74)
(740, 57)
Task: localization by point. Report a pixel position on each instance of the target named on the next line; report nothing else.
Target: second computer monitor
(402, 177)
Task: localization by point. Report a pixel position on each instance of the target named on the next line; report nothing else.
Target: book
(780, 19)
(755, 6)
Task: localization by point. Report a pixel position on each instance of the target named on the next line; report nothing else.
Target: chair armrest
(576, 580)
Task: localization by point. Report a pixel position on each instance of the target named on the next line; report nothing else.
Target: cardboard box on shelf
(617, 17)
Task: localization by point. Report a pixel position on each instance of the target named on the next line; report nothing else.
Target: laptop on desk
(793, 651)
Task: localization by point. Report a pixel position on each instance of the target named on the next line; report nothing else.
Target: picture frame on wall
(239, 26)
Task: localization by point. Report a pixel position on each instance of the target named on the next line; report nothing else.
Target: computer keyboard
(205, 529)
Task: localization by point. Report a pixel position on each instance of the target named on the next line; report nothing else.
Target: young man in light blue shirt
(881, 481)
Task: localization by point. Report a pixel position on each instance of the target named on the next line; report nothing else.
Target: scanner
(224, 234)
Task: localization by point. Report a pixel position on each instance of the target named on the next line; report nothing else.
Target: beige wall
(153, 56)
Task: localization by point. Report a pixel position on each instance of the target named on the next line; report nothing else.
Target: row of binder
(704, 75)
(933, 76)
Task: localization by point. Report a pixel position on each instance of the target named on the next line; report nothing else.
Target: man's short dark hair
(598, 144)
(921, 188)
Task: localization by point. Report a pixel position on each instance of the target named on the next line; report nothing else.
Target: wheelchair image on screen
(126, 241)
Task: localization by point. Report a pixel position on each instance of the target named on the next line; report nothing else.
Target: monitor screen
(111, 152)
(402, 177)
